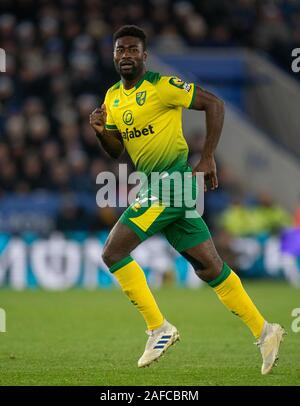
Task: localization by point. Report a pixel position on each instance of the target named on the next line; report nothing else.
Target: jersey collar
(128, 92)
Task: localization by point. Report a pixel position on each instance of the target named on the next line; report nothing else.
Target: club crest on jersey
(141, 98)
(180, 84)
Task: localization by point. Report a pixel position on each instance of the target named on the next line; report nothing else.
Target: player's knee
(109, 257)
(207, 269)
(209, 273)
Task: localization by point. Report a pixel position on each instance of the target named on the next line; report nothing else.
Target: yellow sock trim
(134, 284)
(235, 298)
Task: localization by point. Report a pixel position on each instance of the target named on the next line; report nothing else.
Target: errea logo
(2, 60)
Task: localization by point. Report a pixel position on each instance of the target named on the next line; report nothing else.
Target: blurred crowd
(59, 65)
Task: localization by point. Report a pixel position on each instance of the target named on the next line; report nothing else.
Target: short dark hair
(130, 31)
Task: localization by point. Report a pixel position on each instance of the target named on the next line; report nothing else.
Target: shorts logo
(180, 84)
(128, 117)
(136, 206)
(141, 98)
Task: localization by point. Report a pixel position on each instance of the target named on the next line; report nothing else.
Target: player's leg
(194, 242)
(116, 255)
(225, 282)
(228, 287)
(134, 227)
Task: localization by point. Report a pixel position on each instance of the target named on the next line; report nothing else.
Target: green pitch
(95, 338)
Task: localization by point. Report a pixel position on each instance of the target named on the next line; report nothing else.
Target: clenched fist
(98, 119)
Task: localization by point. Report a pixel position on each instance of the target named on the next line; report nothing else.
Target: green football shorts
(168, 206)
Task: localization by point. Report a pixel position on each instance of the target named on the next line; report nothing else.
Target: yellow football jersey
(149, 118)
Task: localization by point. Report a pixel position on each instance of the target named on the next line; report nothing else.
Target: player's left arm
(214, 110)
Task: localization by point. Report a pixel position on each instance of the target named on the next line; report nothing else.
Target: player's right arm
(110, 140)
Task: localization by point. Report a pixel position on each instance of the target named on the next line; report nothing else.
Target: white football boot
(158, 342)
(268, 343)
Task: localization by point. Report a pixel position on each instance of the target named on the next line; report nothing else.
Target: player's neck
(129, 84)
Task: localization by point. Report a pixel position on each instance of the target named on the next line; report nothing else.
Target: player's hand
(98, 119)
(207, 164)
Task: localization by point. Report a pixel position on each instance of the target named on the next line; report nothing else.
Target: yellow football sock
(134, 284)
(230, 291)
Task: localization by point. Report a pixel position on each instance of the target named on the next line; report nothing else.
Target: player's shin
(232, 294)
(134, 284)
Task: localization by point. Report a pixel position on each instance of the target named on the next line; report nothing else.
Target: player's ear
(145, 55)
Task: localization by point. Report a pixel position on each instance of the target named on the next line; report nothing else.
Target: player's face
(129, 57)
